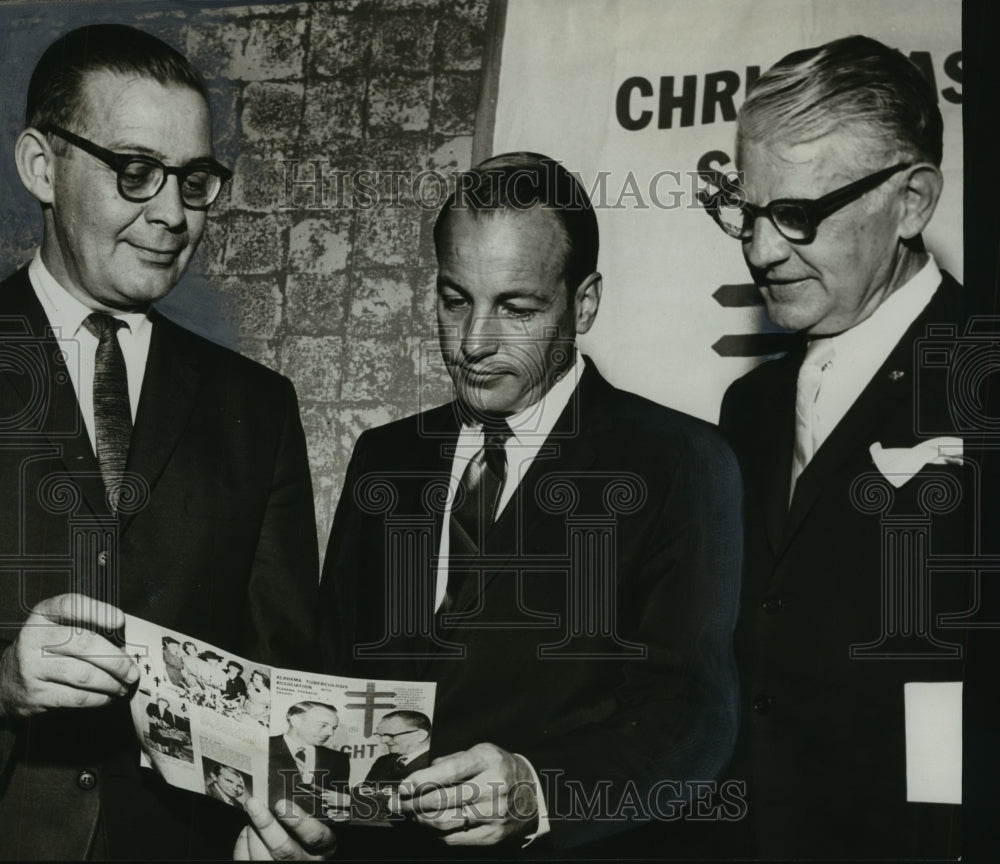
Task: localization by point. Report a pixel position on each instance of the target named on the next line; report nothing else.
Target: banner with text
(637, 96)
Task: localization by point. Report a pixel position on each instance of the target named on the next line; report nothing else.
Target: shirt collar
(886, 325)
(534, 423)
(293, 746)
(65, 312)
(409, 757)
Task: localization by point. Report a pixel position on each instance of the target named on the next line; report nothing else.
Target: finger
(446, 770)
(241, 850)
(82, 610)
(310, 832)
(480, 835)
(99, 653)
(258, 812)
(256, 850)
(442, 798)
(76, 674)
(443, 821)
(273, 834)
(60, 696)
(422, 796)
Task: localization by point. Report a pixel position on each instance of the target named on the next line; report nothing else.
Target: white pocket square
(899, 464)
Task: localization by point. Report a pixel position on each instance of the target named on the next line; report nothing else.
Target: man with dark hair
(521, 181)
(173, 661)
(235, 688)
(406, 736)
(301, 767)
(853, 466)
(226, 784)
(147, 470)
(164, 729)
(577, 588)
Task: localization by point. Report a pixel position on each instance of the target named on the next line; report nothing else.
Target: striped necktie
(475, 508)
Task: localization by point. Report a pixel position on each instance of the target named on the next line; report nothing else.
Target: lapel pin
(896, 374)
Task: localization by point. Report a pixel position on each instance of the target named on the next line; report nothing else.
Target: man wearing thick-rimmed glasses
(145, 470)
(406, 736)
(852, 464)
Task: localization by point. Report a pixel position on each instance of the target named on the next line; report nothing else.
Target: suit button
(102, 558)
(771, 605)
(86, 780)
(762, 703)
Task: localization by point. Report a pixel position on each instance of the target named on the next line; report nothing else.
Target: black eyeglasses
(796, 219)
(394, 735)
(140, 178)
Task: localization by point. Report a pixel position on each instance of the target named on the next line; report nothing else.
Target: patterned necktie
(819, 356)
(475, 507)
(112, 411)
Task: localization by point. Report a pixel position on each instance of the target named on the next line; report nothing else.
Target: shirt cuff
(543, 813)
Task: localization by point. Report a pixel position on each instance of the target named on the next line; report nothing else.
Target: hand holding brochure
(211, 722)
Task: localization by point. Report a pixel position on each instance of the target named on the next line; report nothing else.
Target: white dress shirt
(858, 353)
(66, 314)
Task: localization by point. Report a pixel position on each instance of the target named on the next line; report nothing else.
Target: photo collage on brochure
(215, 723)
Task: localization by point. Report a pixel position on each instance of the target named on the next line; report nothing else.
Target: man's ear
(920, 194)
(586, 302)
(35, 164)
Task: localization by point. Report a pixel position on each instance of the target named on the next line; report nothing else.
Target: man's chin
(486, 398)
(792, 316)
(143, 292)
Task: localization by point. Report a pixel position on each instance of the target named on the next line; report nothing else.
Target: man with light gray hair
(852, 462)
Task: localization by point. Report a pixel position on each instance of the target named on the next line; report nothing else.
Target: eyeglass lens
(140, 180)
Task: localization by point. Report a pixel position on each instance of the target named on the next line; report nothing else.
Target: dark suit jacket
(235, 688)
(333, 770)
(385, 768)
(601, 645)
(217, 541)
(165, 716)
(823, 736)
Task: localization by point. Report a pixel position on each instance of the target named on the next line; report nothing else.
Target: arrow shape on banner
(755, 344)
(742, 296)
(746, 294)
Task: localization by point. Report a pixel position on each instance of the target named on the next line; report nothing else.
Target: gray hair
(854, 82)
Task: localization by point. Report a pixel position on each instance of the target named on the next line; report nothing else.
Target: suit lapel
(778, 444)
(169, 391)
(566, 449)
(429, 460)
(879, 399)
(62, 423)
(891, 385)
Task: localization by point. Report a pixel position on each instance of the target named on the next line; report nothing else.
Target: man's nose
(482, 335)
(766, 247)
(167, 206)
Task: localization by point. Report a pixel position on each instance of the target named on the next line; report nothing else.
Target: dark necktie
(300, 763)
(475, 508)
(112, 412)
